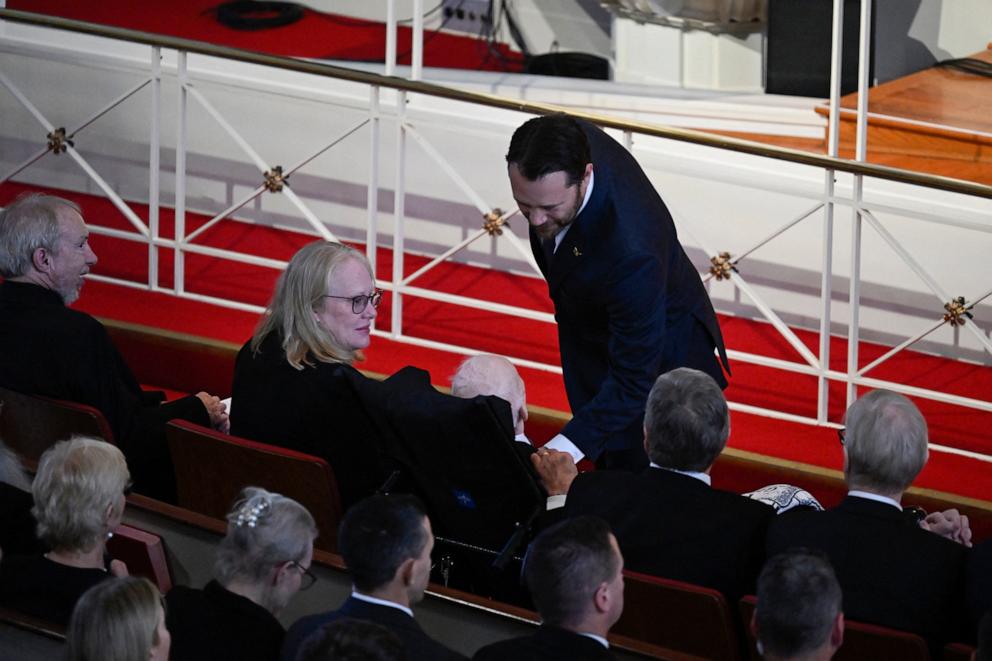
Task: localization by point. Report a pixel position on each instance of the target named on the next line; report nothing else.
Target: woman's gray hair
(115, 620)
(264, 529)
(76, 481)
(29, 222)
(298, 292)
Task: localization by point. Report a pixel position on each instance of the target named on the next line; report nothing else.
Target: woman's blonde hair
(77, 480)
(298, 290)
(115, 620)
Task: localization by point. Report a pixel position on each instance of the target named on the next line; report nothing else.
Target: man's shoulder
(546, 644)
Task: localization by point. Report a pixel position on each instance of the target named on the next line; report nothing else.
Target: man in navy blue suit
(629, 303)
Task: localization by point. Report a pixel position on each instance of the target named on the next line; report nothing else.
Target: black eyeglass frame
(307, 578)
(840, 434)
(360, 302)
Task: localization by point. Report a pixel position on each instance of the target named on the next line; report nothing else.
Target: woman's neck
(92, 559)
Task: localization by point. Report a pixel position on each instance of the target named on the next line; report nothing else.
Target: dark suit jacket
(675, 526)
(214, 623)
(980, 580)
(892, 572)
(49, 349)
(546, 644)
(629, 303)
(317, 410)
(419, 646)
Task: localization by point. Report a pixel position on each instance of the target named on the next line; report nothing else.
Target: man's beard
(551, 228)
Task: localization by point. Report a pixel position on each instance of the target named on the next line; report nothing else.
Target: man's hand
(118, 568)
(557, 470)
(950, 524)
(217, 411)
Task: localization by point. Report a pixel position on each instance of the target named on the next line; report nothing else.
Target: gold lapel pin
(576, 252)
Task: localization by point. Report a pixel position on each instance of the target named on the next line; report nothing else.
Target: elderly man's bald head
(487, 374)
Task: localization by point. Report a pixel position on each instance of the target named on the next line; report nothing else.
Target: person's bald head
(487, 374)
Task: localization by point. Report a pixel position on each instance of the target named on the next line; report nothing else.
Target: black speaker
(797, 57)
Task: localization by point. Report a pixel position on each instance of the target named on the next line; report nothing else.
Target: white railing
(687, 154)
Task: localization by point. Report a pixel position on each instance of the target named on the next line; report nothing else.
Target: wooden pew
(212, 468)
(679, 616)
(30, 424)
(144, 554)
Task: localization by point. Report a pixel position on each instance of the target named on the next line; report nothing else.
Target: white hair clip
(250, 512)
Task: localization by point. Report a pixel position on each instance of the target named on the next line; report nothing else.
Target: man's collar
(702, 477)
(874, 496)
(23, 290)
(380, 602)
(599, 639)
(560, 236)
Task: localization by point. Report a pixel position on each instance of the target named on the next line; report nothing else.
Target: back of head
(798, 602)
(565, 565)
(377, 535)
(553, 143)
(352, 640)
(76, 482)
(115, 620)
(298, 289)
(487, 374)
(885, 443)
(26, 224)
(264, 529)
(686, 420)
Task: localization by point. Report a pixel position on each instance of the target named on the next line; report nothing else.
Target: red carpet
(753, 385)
(318, 35)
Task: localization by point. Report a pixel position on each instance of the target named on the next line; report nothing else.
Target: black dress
(317, 410)
(17, 536)
(36, 586)
(214, 623)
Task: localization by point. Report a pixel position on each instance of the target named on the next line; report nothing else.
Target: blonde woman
(261, 563)
(294, 384)
(121, 619)
(78, 501)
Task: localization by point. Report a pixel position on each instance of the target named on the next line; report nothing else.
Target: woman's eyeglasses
(362, 301)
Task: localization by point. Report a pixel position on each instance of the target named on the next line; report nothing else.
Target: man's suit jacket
(49, 349)
(980, 580)
(891, 571)
(675, 526)
(546, 644)
(419, 646)
(629, 303)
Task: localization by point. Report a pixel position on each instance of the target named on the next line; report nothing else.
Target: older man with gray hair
(47, 348)
(668, 520)
(487, 374)
(893, 571)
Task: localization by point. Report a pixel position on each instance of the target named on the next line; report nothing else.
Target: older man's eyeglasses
(840, 434)
(307, 578)
(362, 301)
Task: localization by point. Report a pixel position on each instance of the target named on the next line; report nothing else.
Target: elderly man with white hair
(487, 374)
(892, 570)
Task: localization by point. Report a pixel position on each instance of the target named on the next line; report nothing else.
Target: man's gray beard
(69, 296)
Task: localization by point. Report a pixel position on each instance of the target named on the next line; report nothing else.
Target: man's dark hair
(566, 564)
(798, 600)
(377, 535)
(553, 143)
(686, 420)
(352, 640)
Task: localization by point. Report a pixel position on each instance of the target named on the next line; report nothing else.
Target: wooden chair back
(212, 468)
(679, 616)
(30, 424)
(144, 554)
